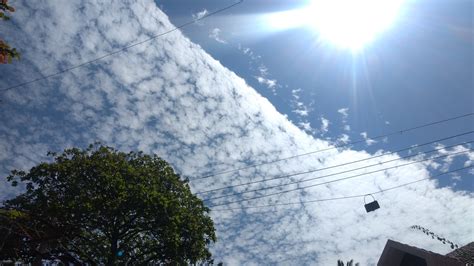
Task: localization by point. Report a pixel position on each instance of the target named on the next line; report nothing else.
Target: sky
(232, 90)
(419, 70)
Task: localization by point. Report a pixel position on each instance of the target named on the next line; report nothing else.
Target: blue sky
(229, 91)
(417, 71)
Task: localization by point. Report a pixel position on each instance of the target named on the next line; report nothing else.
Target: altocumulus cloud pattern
(170, 97)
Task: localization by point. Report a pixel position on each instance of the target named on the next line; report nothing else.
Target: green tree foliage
(7, 54)
(5, 7)
(102, 206)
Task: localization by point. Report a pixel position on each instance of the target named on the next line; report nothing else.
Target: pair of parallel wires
(327, 182)
(337, 173)
(340, 198)
(60, 72)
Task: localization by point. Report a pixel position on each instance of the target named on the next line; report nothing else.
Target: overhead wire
(411, 147)
(343, 197)
(335, 180)
(336, 146)
(122, 49)
(334, 174)
(280, 159)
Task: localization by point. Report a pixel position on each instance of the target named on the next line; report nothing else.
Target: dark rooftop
(464, 254)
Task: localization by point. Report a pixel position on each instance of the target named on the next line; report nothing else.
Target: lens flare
(349, 24)
(352, 24)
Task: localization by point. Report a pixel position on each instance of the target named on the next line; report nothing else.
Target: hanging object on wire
(371, 206)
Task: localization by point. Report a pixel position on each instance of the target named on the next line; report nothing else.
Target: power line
(335, 180)
(345, 197)
(338, 165)
(332, 174)
(334, 147)
(122, 49)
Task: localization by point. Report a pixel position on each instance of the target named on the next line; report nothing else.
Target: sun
(351, 23)
(348, 24)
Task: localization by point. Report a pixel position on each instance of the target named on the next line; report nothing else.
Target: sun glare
(352, 24)
(349, 24)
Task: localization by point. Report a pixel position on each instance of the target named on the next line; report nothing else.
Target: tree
(16, 228)
(349, 263)
(5, 7)
(102, 206)
(433, 236)
(7, 54)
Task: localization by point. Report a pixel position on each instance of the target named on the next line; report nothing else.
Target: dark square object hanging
(372, 206)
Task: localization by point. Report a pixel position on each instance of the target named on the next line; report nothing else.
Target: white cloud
(256, 65)
(456, 177)
(302, 111)
(263, 70)
(199, 15)
(263, 73)
(306, 126)
(344, 138)
(324, 125)
(253, 58)
(270, 83)
(368, 141)
(295, 93)
(345, 114)
(448, 161)
(215, 34)
(171, 98)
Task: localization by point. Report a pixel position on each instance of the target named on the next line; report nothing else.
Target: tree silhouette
(349, 263)
(435, 236)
